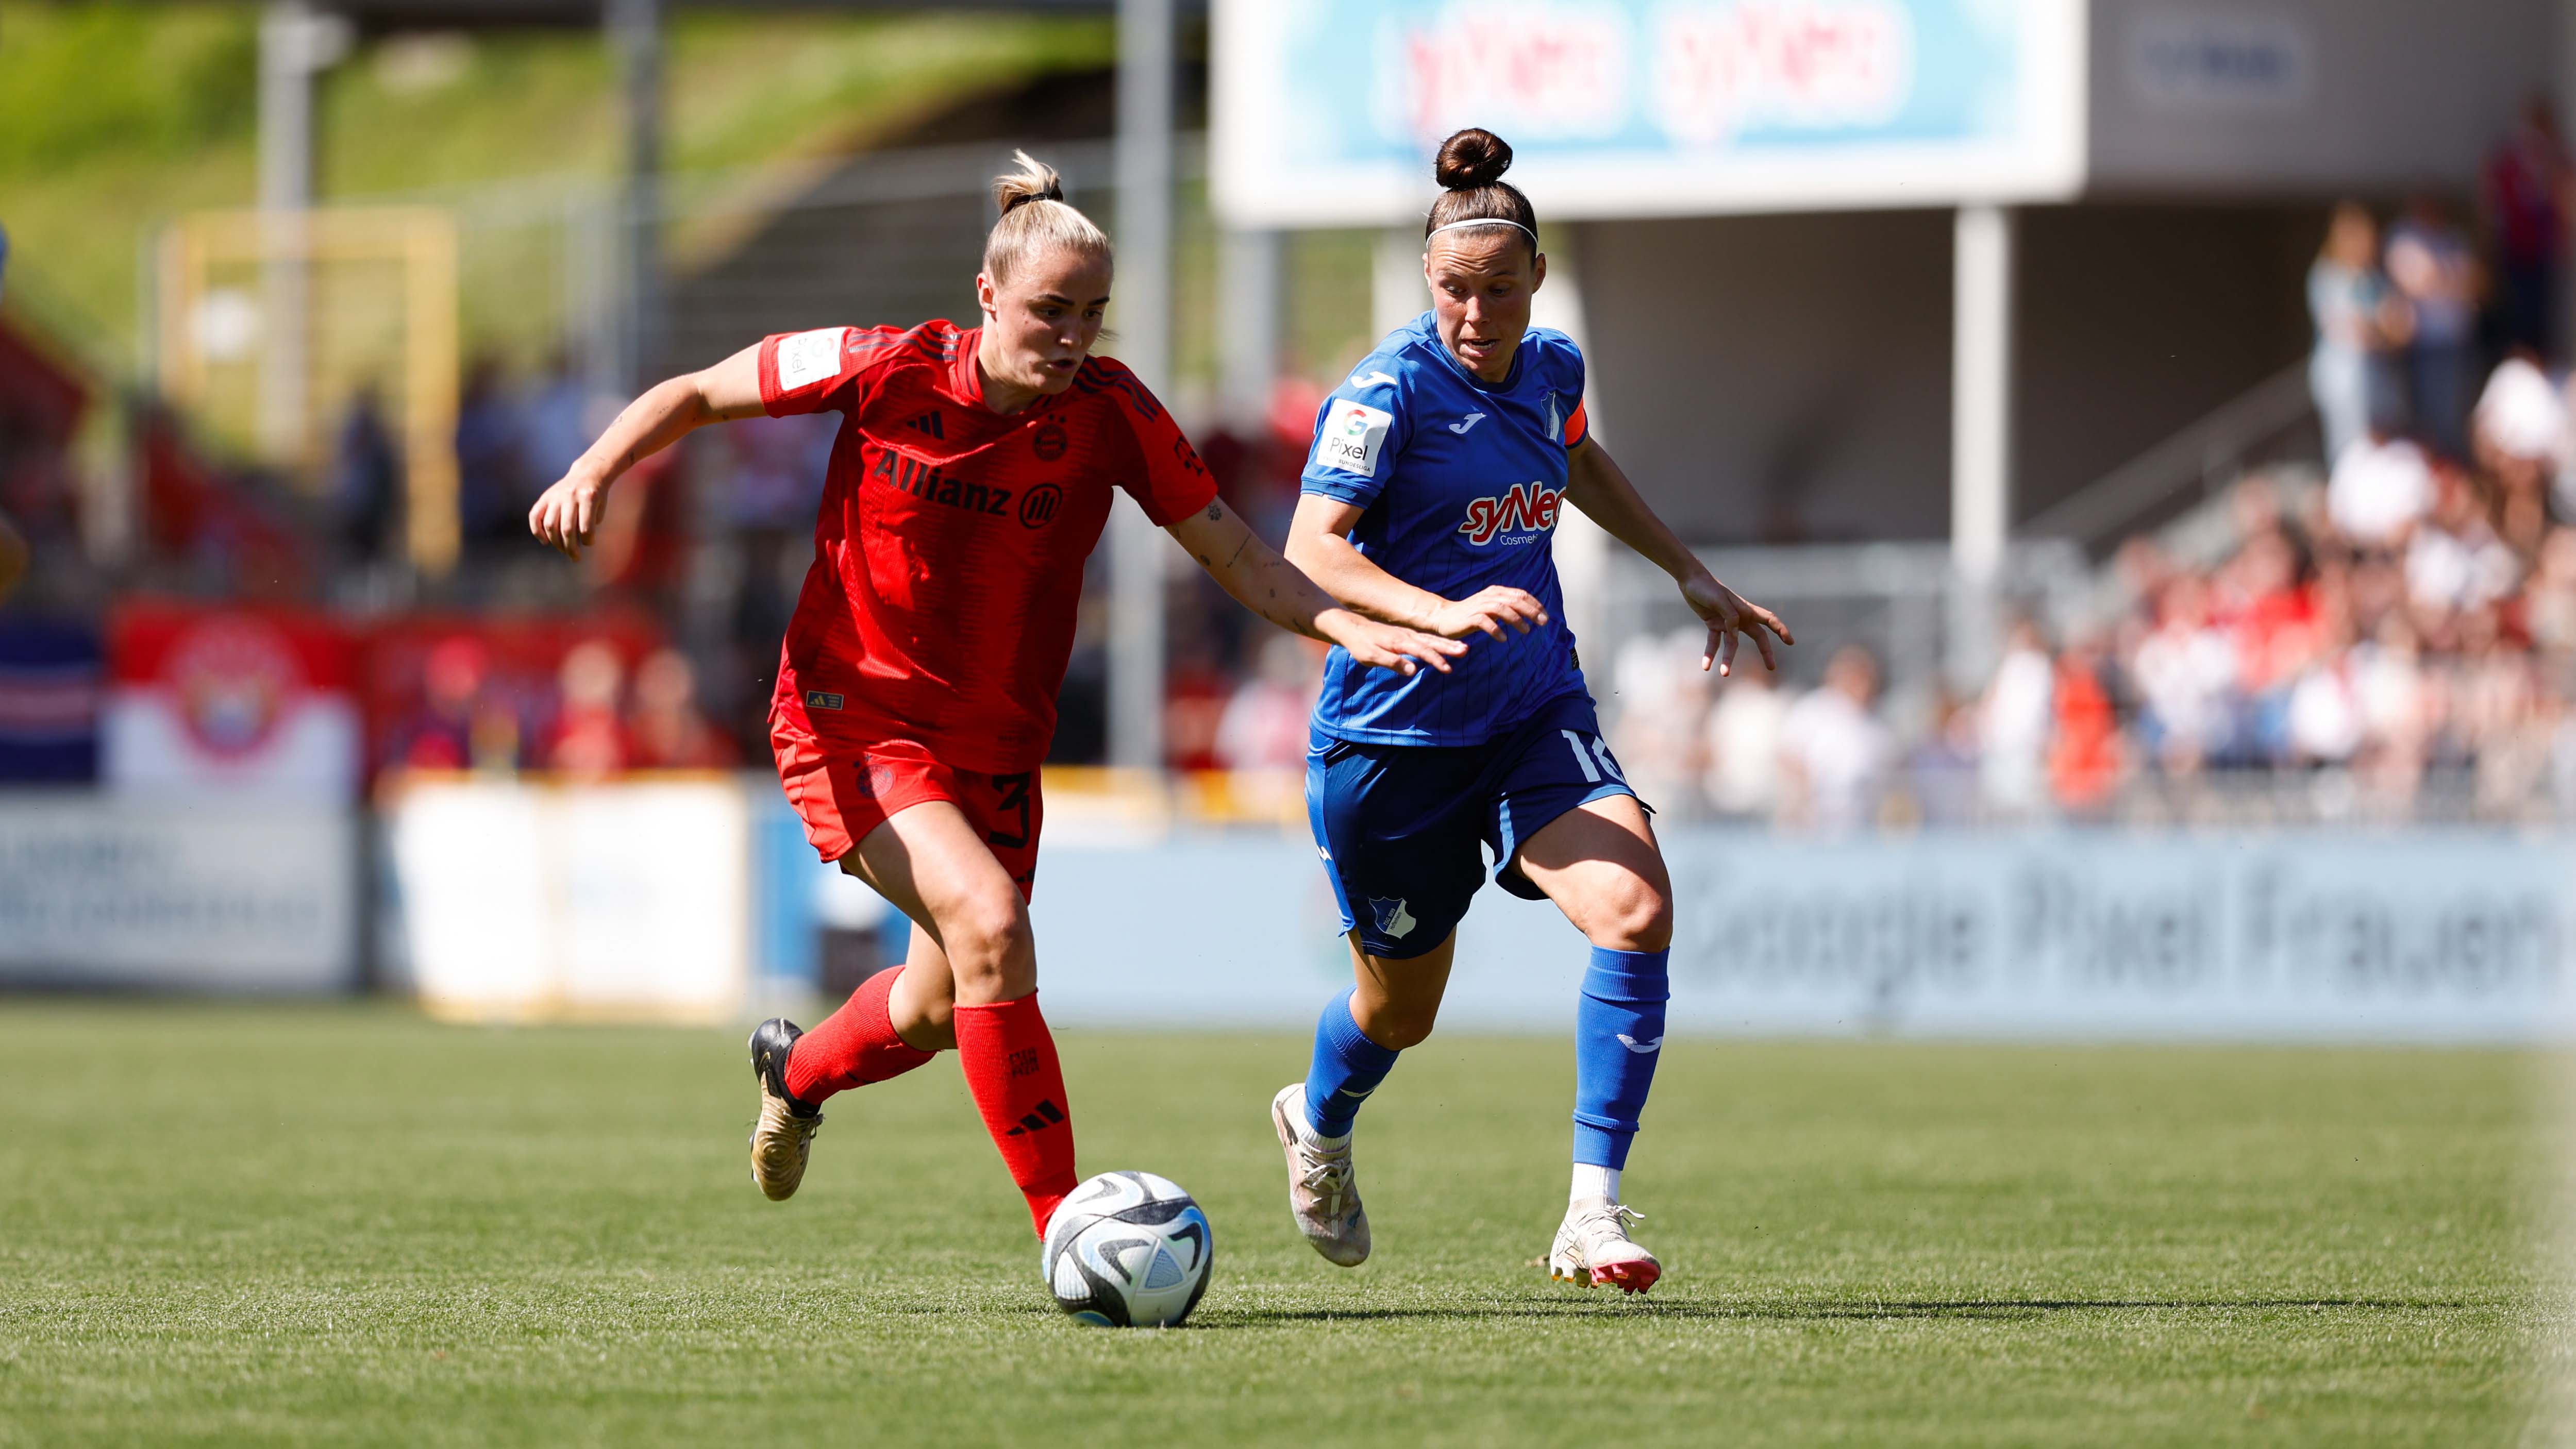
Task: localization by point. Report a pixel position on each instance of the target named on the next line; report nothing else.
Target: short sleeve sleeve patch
(809, 357)
(1352, 434)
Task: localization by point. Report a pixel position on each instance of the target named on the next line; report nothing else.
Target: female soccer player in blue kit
(1437, 475)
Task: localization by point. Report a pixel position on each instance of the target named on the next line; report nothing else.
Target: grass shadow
(1688, 1309)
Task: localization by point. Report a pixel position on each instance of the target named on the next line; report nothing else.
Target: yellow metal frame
(422, 242)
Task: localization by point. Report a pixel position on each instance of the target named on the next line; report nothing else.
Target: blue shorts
(1400, 826)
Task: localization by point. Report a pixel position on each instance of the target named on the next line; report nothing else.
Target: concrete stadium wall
(2308, 96)
(1787, 378)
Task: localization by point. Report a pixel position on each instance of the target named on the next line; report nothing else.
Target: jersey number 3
(1014, 790)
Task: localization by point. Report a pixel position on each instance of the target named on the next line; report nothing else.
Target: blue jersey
(1462, 482)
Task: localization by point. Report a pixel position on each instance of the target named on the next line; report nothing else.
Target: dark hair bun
(1472, 158)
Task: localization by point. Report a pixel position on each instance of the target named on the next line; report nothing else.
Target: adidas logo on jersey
(928, 423)
(1526, 508)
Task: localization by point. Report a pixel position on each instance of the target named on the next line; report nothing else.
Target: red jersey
(948, 557)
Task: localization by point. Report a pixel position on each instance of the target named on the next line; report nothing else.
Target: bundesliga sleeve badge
(1351, 436)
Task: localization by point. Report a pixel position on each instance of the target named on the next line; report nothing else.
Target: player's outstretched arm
(1595, 484)
(1272, 587)
(1319, 544)
(568, 513)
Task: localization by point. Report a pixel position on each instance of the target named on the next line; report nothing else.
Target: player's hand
(1387, 646)
(569, 512)
(1488, 611)
(1727, 614)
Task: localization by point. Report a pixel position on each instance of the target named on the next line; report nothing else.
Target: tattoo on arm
(1215, 512)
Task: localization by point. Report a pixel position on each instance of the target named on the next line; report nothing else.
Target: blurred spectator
(2455, 562)
(668, 732)
(2388, 687)
(1834, 752)
(1265, 723)
(2358, 321)
(563, 415)
(464, 722)
(13, 558)
(2014, 725)
(1941, 770)
(2186, 675)
(1663, 695)
(2265, 604)
(2549, 601)
(2434, 270)
(367, 479)
(2519, 437)
(588, 741)
(1744, 745)
(2524, 191)
(2325, 719)
(2084, 755)
(491, 457)
(2380, 485)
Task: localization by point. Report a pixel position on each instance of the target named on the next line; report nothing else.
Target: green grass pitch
(348, 1226)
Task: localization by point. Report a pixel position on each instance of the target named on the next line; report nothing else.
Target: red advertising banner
(231, 699)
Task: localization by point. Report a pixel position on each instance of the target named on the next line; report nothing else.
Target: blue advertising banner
(1327, 111)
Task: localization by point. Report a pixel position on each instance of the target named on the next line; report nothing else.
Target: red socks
(1010, 1064)
(852, 1047)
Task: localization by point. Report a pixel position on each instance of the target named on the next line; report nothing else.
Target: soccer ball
(1128, 1249)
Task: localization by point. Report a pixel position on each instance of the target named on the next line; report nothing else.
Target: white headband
(1486, 221)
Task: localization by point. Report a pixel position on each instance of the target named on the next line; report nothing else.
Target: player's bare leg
(1392, 1005)
(1600, 864)
(931, 863)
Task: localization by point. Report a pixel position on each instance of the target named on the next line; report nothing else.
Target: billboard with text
(1326, 113)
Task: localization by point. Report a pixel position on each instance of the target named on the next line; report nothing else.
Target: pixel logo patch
(1351, 436)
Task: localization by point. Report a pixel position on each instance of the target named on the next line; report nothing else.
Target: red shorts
(842, 793)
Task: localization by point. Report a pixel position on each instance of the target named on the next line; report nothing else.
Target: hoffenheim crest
(1392, 918)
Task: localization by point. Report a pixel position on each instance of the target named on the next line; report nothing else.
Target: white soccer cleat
(1323, 1189)
(784, 1134)
(1592, 1248)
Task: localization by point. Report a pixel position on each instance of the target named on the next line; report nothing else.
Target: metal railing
(2190, 467)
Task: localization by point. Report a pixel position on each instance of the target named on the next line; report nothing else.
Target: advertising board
(215, 897)
(2292, 936)
(527, 901)
(1326, 113)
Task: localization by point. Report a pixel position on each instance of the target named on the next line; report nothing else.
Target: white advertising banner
(97, 891)
(525, 901)
(2278, 937)
(1326, 112)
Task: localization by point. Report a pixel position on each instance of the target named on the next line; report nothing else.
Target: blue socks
(1618, 1035)
(1347, 1067)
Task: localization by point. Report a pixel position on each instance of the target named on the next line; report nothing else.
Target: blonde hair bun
(1033, 181)
(1035, 218)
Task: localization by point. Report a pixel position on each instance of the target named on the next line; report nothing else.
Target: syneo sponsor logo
(1526, 508)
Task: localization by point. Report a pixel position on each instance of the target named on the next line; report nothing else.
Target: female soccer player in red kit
(916, 687)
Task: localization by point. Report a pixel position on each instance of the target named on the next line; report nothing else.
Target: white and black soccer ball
(1128, 1249)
